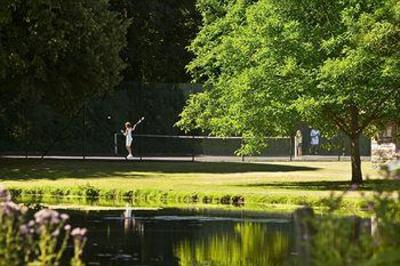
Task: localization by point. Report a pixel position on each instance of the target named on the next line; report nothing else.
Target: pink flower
(28, 228)
(10, 208)
(64, 217)
(4, 194)
(79, 233)
(47, 216)
(56, 233)
(24, 229)
(67, 227)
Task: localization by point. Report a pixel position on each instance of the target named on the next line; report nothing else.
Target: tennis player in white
(128, 134)
(128, 141)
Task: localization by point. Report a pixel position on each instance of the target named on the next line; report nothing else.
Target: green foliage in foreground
(351, 241)
(268, 64)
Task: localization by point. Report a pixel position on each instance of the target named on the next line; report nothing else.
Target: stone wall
(385, 146)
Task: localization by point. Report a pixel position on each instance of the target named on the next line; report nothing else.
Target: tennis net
(148, 145)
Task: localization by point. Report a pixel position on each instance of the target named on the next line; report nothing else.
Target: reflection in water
(248, 244)
(130, 223)
(172, 237)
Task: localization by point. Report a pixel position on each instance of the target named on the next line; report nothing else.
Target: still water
(188, 237)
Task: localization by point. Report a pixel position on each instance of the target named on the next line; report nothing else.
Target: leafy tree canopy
(157, 38)
(58, 51)
(267, 64)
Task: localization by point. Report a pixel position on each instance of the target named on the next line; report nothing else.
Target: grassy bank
(278, 183)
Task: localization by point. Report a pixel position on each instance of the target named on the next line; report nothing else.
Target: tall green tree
(60, 52)
(268, 63)
(157, 38)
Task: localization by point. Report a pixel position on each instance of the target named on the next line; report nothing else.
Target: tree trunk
(356, 175)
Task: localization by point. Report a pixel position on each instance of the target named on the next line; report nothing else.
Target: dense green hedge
(38, 128)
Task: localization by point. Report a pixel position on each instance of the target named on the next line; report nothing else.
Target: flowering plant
(40, 241)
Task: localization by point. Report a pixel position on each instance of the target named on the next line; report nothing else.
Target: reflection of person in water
(129, 220)
(130, 223)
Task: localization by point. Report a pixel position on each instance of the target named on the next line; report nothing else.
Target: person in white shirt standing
(315, 135)
(129, 138)
(299, 144)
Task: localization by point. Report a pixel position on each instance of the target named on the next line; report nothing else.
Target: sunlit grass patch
(277, 183)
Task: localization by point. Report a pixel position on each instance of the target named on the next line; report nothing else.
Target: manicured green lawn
(273, 183)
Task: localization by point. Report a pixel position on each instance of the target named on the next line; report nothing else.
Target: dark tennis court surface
(189, 158)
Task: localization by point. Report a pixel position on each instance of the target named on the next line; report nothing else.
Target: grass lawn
(270, 183)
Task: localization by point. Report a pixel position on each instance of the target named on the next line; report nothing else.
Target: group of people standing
(314, 142)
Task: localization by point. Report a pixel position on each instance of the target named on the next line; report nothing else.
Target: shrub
(110, 194)
(128, 194)
(90, 192)
(353, 241)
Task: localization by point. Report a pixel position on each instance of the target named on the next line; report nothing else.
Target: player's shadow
(367, 185)
(218, 167)
(58, 169)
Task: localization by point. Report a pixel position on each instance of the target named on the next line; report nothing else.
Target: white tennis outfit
(129, 138)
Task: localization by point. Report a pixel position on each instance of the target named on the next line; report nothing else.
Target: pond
(188, 237)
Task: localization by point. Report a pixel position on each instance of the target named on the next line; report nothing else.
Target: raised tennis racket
(139, 121)
(134, 126)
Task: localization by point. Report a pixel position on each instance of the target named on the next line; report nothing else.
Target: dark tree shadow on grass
(368, 185)
(57, 169)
